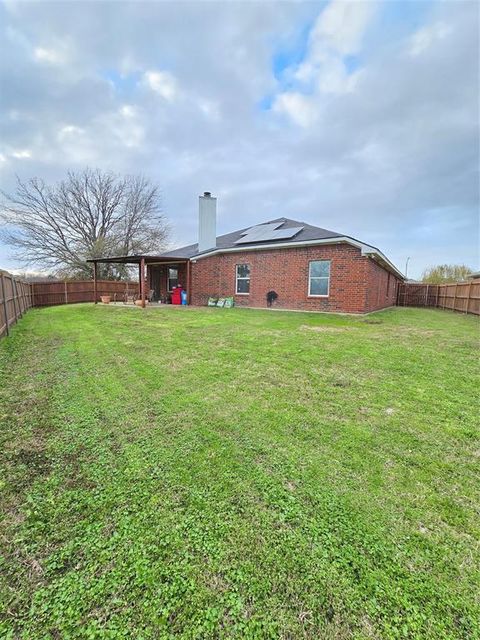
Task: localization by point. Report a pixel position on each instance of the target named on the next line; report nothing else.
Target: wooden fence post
(95, 282)
(141, 276)
(455, 297)
(14, 298)
(467, 306)
(19, 299)
(66, 294)
(24, 303)
(5, 307)
(18, 286)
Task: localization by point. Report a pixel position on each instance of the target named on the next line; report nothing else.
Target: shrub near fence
(459, 296)
(15, 299)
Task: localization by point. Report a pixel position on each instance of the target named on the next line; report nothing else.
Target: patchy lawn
(211, 473)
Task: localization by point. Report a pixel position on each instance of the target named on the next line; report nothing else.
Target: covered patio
(155, 273)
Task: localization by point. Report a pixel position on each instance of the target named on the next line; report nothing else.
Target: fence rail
(68, 292)
(459, 296)
(16, 295)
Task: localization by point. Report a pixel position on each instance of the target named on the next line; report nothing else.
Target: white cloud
(341, 27)
(69, 130)
(107, 133)
(127, 126)
(209, 108)
(298, 107)
(333, 77)
(20, 154)
(128, 111)
(425, 37)
(163, 83)
(338, 31)
(49, 56)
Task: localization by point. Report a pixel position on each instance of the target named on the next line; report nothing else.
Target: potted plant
(106, 299)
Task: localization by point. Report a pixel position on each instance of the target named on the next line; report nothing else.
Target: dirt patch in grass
(415, 331)
(340, 382)
(35, 460)
(324, 329)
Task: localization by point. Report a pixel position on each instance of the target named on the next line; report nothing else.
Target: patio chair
(129, 296)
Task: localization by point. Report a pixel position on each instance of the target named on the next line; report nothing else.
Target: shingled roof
(227, 241)
(307, 236)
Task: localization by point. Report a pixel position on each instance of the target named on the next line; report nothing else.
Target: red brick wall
(381, 289)
(357, 283)
(286, 272)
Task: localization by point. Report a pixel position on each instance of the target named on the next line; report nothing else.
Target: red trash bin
(177, 295)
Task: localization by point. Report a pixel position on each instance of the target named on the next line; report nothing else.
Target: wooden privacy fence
(16, 295)
(459, 296)
(50, 293)
(15, 299)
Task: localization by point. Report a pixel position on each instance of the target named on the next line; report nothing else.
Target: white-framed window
(242, 279)
(172, 278)
(319, 278)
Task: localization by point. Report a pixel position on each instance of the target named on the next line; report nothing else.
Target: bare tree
(89, 215)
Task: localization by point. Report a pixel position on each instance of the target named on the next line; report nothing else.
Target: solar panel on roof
(259, 231)
(264, 235)
(285, 233)
(267, 226)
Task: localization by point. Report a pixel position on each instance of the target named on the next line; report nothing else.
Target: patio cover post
(95, 283)
(142, 281)
(189, 281)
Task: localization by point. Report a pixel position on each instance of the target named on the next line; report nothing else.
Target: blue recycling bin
(184, 296)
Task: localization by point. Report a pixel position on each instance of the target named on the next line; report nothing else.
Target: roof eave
(135, 259)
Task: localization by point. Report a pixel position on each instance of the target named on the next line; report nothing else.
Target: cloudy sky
(360, 117)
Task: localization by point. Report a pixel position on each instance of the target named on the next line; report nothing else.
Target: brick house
(309, 268)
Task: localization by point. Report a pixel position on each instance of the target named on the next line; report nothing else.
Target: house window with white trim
(242, 279)
(172, 278)
(319, 278)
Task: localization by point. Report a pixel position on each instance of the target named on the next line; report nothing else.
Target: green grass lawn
(213, 473)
